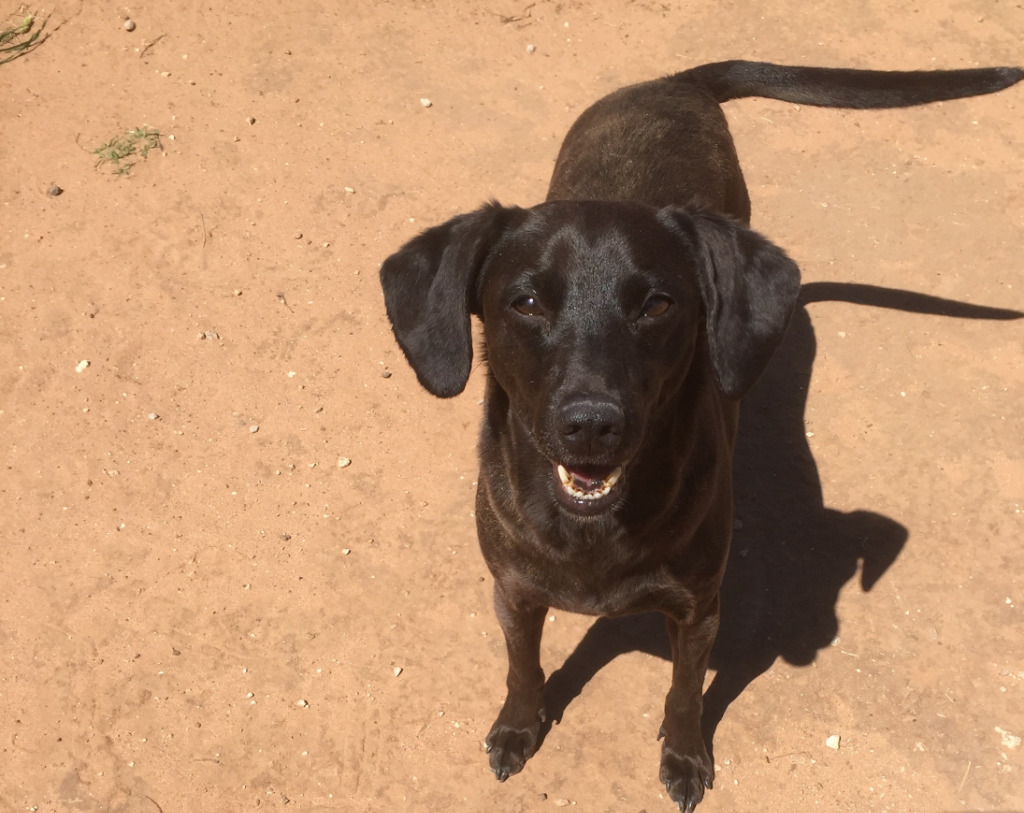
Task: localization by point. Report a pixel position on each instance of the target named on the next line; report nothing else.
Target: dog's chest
(590, 586)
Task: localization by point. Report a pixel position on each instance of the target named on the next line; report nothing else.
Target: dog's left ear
(749, 287)
(429, 291)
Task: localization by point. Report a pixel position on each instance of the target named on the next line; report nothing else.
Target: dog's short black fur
(623, 320)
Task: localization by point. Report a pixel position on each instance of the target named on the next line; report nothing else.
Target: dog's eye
(656, 305)
(528, 306)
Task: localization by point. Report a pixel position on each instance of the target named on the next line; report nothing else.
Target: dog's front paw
(686, 777)
(510, 746)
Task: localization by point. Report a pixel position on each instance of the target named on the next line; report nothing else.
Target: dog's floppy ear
(749, 287)
(429, 291)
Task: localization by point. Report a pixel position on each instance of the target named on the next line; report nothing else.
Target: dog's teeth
(568, 483)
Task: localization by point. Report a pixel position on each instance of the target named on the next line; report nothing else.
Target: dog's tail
(841, 87)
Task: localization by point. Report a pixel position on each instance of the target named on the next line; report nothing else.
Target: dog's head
(593, 313)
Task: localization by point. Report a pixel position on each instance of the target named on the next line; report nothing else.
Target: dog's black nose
(591, 425)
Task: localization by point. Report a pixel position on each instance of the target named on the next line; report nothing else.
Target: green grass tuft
(125, 151)
(18, 39)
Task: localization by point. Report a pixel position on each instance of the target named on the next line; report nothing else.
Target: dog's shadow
(791, 554)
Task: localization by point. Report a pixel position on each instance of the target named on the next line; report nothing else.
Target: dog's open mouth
(586, 487)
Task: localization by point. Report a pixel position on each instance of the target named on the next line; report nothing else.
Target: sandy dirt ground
(202, 608)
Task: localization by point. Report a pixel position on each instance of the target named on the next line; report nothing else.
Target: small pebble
(54, 191)
(80, 367)
(398, 671)
(531, 48)
(250, 120)
(129, 25)
(344, 462)
(298, 235)
(349, 190)
(254, 429)
(1009, 740)
(833, 742)
(346, 551)
(152, 416)
(426, 102)
(302, 704)
(386, 374)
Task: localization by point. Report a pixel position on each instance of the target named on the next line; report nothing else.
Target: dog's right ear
(749, 287)
(429, 287)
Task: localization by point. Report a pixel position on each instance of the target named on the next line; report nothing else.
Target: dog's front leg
(686, 768)
(513, 737)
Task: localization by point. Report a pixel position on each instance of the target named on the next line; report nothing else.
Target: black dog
(623, 321)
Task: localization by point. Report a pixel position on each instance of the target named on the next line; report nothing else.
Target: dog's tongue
(590, 478)
(587, 482)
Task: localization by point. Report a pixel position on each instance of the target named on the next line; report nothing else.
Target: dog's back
(667, 141)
